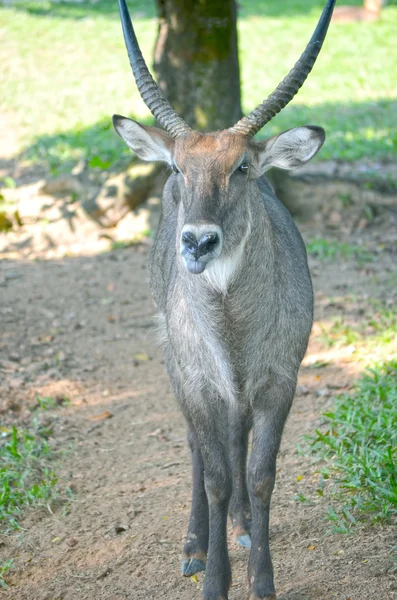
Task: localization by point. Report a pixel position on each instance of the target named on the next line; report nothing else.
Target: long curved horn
(286, 90)
(148, 88)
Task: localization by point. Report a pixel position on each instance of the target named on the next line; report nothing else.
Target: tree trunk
(196, 61)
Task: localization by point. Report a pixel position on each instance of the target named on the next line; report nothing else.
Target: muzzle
(199, 245)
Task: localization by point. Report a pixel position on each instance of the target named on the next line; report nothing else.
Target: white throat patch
(221, 271)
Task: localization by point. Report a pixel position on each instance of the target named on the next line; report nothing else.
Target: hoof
(268, 597)
(244, 540)
(191, 566)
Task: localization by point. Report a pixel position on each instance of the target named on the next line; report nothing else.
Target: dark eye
(175, 168)
(244, 167)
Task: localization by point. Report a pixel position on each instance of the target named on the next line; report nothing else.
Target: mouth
(195, 266)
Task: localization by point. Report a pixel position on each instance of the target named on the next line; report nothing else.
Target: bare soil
(77, 321)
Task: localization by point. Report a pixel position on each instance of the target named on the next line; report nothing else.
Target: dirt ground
(77, 321)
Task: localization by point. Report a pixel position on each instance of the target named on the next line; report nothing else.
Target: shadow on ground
(355, 129)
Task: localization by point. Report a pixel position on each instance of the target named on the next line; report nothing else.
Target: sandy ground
(79, 324)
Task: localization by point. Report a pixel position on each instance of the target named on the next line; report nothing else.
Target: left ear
(149, 143)
(290, 149)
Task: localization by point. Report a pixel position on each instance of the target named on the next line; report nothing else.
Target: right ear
(149, 143)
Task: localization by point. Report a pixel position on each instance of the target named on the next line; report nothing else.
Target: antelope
(232, 288)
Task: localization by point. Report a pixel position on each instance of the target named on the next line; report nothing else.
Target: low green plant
(324, 249)
(50, 402)
(339, 333)
(27, 474)
(375, 332)
(4, 568)
(357, 445)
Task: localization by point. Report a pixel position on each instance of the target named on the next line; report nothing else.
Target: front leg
(240, 508)
(270, 413)
(209, 425)
(195, 550)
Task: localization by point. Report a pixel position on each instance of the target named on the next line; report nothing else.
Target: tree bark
(196, 61)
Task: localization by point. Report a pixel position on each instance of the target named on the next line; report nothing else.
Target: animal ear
(290, 149)
(149, 143)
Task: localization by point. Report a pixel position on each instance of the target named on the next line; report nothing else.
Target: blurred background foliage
(65, 72)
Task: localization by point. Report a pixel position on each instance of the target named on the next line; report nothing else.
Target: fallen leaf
(46, 339)
(194, 578)
(156, 432)
(311, 547)
(103, 415)
(141, 356)
(299, 478)
(56, 539)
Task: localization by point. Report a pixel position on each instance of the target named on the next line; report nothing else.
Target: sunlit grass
(27, 475)
(357, 447)
(372, 337)
(65, 72)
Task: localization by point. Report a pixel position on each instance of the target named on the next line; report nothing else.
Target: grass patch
(27, 475)
(375, 334)
(4, 568)
(49, 402)
(358, 444)
(65, 72)
(339, 333)
(324, 249)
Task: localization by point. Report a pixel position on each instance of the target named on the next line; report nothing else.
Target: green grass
(4, 568)
(27, 474)
(325, 250)
(48, 402)
(373, 334)
(358, 446)
(340, 333)
(65, 72)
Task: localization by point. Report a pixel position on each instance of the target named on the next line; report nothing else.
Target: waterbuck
(231, 284)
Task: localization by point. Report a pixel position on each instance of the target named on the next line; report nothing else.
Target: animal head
(213, 172)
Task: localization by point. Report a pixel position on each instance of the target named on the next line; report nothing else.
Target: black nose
(207, 243)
